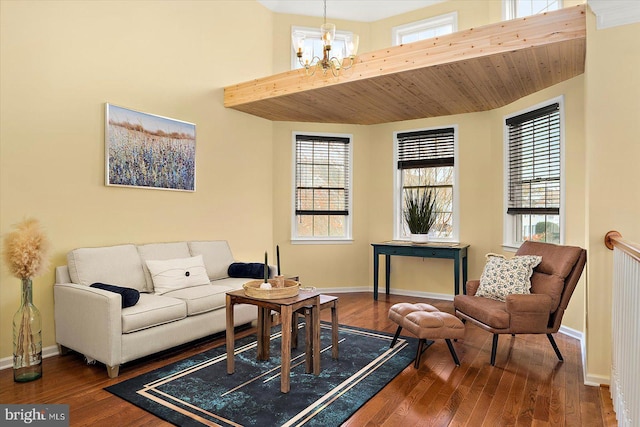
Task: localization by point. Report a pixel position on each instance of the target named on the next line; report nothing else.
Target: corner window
(425, 29)
(426, 161)
(313, 46)
(534, 179)
(322, 193)
(513, 9)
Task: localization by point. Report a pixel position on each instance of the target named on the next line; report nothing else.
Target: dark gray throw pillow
(251, 270)
(129, 296)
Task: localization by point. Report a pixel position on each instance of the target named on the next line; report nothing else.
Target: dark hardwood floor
(528, 385)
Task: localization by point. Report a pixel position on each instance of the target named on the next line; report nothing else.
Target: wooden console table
(455, 251)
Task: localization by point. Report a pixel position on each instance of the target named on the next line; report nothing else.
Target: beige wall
(612, 118)
(61, 61)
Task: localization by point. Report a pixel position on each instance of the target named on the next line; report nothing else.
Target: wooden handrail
(614, 239)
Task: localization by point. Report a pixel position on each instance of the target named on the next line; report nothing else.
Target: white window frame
(509, 9)
(426, 24)
(510, 222)
(314, 33)
(397, 188)
(347, 238)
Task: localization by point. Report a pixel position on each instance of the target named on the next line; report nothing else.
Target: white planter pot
(419, 238)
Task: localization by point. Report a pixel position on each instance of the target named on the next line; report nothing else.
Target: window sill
(321, 241)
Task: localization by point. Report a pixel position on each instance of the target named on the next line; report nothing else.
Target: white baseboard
(7, 362)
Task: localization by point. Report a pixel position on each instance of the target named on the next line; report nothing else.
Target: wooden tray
(252, 289)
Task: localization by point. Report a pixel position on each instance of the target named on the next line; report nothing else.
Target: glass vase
(27, 338)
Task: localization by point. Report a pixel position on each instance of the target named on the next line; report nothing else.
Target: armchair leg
(395, 337)
(494, 346)
(555, 347)
(453, 352)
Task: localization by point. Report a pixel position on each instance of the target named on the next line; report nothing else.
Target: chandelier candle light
(327, 62)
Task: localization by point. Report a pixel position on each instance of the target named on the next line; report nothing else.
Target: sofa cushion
(202, 299)
(171, 274)
(502, 277)
(117, 265)
(216, 255)
(152, 310)
(160, 251)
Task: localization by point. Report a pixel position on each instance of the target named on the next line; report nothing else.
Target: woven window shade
(534, 162)
(322, 175)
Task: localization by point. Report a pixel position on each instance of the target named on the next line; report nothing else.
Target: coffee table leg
(334, 330)
(315, 316)
(230, 337)
(286, 315)
(264, 333)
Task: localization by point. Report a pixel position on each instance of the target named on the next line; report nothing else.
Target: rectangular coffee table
(286, 307)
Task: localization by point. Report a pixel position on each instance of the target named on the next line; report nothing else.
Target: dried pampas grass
(26, 250)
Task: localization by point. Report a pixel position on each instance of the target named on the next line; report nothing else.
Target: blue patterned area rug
(198, 391)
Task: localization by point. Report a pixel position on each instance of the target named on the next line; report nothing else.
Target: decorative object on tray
(254, 289)
(279, 277)
(25, 253)
(265, 284)
(420, 212)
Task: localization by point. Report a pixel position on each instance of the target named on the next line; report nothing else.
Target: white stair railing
(625, 330)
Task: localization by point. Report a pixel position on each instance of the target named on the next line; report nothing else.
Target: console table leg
(387, 272)
(376, 265)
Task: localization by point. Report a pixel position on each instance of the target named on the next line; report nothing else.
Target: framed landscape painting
(148, 151)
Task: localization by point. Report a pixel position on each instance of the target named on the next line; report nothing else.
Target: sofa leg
(113, 371)
(494, 346)
(62, 350)
(555, 347)
(395, 337)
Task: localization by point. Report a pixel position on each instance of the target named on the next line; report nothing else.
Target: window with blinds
(426, 161)
(322, 181)
(534, 173)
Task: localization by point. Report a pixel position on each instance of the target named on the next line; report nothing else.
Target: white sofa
(92, 321)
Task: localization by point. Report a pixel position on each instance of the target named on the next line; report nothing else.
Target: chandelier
(343, 59)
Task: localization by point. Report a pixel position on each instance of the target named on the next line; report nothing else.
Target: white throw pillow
(172, 274)
(502, 277)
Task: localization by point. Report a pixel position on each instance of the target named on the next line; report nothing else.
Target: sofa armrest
(89, 321)
(529, 313)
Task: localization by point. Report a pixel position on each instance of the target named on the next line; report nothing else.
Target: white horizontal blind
(426, 148)
(322, 175)
(534, 162)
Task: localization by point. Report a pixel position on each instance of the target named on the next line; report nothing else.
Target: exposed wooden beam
(473, 70)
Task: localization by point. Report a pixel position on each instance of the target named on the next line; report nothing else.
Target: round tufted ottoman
(426, 322)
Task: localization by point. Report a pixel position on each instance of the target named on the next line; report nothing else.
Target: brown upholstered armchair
(552, 284)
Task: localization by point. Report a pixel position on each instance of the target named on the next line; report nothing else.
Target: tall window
(426, 162)
(313, 45)
(425, 29)
(534, 176)
(520, 8)
(322, 205)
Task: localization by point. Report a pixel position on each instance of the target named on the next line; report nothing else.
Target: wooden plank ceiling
(468, 71)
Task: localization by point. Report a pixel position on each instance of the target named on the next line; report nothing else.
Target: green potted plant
(420, 210)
